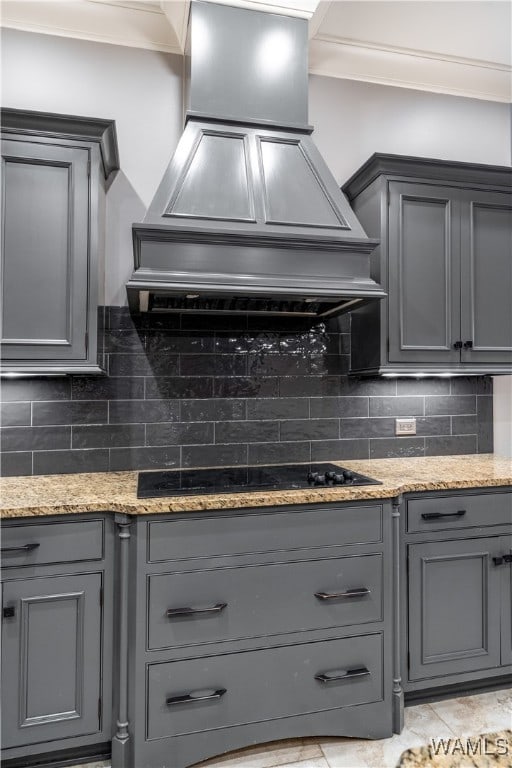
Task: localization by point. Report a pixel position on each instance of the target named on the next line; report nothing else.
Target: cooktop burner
(178, 482)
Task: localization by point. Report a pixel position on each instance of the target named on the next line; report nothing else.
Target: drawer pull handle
(188, 611)
(359, 592)
(25, 548)
(190, 698)
(342, 674)
(437, 515)
(502, 560)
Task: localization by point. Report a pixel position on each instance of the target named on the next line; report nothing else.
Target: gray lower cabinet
(445, 257)
(57, 634)
(51, 658)
(53, 169)
(254, 625)
(458, 588)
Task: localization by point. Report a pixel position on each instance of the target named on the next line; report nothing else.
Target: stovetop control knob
(330, 477)
(312, 476)
(320, 480)
(348, 475)
(339, 479)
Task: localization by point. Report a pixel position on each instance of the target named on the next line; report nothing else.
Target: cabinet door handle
(25, 548)
(342, 674)
(359, 592)
(502, 560)
(457, 344)
(437, 515)
(9, 612)
(468, 344)
(189, 611)
(190, 698)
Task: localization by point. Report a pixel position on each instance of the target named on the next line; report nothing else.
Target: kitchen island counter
(46, 495)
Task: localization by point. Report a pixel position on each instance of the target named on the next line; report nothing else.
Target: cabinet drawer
(259, 685)
(259, 600)
(255, 531)
(46, 543)
(443, 513)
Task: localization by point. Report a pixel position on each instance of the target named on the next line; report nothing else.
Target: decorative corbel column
(121, 739)
(398, 693)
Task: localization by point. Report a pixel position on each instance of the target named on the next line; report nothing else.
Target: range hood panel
(247, 208)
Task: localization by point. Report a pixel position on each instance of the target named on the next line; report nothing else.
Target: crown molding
(404, 68)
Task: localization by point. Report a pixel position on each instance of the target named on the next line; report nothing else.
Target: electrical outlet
(405, 426)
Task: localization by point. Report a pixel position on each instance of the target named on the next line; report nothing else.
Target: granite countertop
(116, 491)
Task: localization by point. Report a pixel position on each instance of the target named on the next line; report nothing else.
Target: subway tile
(396, 406)
(143, 365)
(167, 388)
(452, 405)
(71, 412)
(164, 322)
(178, 433)
(278, 453)
(15, 414)
(281, 324)
(484, 408)
(310, 386)
(330, 365)
(310, 429)
(370, 387)
(15, 464)
(143, 411)
(34, 438)
(106, 388)
(108, 436)
(444, 446)
(15, 390)
(433, 425)
(348, 406)
(398, 447)
(214, 409)
(210, 323)
(278, 408)
(144, 458)
(465, 425)
(132, 341)
(232, 343)
(484, 385)
(463, 385)
(374, 427)
(333, 450)
(344, 343)
(246, 431)
(213, 365)
(67, 462)
(278, 365)
(433, 386)
(246, 386)
(121, 319)
(213, 455)
(179, 342)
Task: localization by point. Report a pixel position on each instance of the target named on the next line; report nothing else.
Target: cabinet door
(454, 607)
(51, 651)
(506, 602)
(45, 220)
(424, 281)
(486, 274)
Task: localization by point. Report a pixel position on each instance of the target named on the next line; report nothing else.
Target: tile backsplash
(197, 390)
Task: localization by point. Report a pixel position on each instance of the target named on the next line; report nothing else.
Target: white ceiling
(461, 47)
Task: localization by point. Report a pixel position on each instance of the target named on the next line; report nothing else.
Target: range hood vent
(247, 217)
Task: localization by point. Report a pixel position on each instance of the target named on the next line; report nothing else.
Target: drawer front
(259, 685)
(262, 532)
(444, 513)
(47, 543)
(259, 600)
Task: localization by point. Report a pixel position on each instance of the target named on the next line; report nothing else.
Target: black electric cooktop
(178, 482)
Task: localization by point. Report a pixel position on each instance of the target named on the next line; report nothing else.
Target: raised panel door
(51, 658)
(454, 607)
(45, 251)
(486, 277)
(424, 284)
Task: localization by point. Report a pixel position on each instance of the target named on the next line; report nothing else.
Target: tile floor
(464, 716)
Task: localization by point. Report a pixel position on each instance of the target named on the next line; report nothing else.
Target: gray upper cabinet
(53, 169)
(445, 259)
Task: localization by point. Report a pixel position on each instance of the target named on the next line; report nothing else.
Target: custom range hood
(247, 217)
